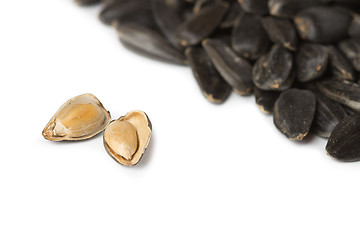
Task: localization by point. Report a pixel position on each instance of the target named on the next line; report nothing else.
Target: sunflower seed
(255, 6)
(327, 116)
(124, 9)
(86, 2)
(323, 24)
(342, 91)
(274, 70)
(265, 100)
(288, 8)
(351, 49)
(231, 16)
(294, 111)
(235, 70)
(249, 38)
(344, 141)
(339, 65)
(281, 31)
(167, 19)
(212, 85)
(311, 62)
(354, 29)
(147, 42)
(201, 25)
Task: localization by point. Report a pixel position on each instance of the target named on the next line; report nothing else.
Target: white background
(211, 172)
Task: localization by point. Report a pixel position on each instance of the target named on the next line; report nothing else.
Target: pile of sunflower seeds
(300, 58)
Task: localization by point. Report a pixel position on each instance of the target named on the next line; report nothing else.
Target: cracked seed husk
(80, 118)
(127, 138)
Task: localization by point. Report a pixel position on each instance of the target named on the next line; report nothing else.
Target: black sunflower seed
(274, 70)
(327, 116)
(234, 69)
(351, 49)
(231, 16)
(212, 85)
(255, 6)
(201, 25)
(281, 31)
(288, 8)
(265, 100)
(338, 64)
(199, 4)
(109, 2)
(167, 18)
(124, 9)
(311, 62)
(86, 2)
(323, 24)
(354, 29)
(342, 91)
(348, 3)
(294, 111)
(147, 42)
(344, 141)
(248, 37)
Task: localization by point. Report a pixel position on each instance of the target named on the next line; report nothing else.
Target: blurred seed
(249, 38)
(311, 62)
(339, 65)
(231, 16)
(167, 18)
(342, 91)
(255, 6)
(212, 85)
(223, 35)
(348, 110)
(235, 70)
(294, 111)
(281, 31)
(348, 3)
(265, 100)
(109, 2)
(351, 49)
(86, 2)
(201, 25)
(274, 70)
(344, 141)
(124, 9)
(147, 42)
(323, 24)
(354, 29)
(199, 4)
(288, 8)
